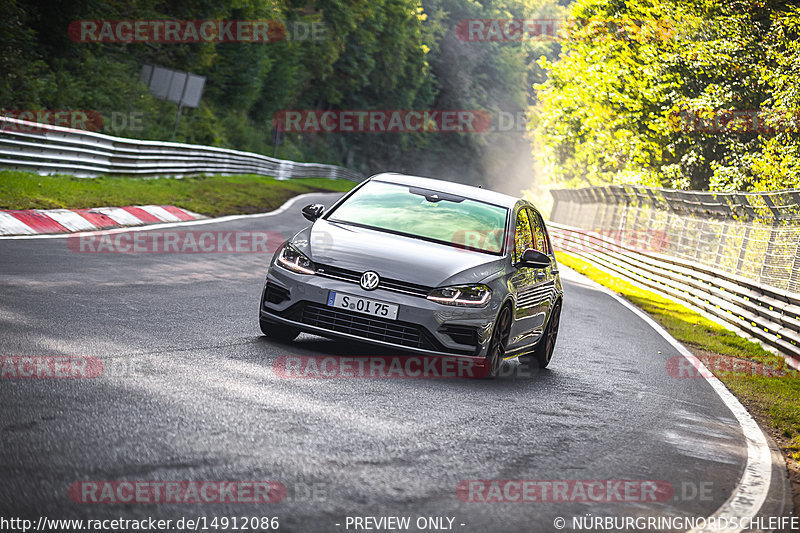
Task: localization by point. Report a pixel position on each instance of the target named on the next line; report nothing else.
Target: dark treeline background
(605, 99)
(376, 54)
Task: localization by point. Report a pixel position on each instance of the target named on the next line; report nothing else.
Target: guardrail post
(635, 206)
(559, 205)
(603, 209)
(596, 205)
(743, 249)
(586, 202)
(773, 234)
(721, 245)
(700, 241)
(794, 272)
(679, 203)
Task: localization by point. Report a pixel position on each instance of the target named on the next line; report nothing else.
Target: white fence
(47, 149)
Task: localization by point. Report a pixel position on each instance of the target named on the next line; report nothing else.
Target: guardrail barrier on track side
(48, 149)
(734, 255)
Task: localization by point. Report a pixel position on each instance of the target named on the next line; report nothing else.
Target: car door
(527, 285)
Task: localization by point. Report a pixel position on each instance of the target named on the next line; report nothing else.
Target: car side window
(540, 242)
(523, 237)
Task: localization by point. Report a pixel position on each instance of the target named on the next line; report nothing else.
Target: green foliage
(611, 110)
(374, 54)
(24, 73)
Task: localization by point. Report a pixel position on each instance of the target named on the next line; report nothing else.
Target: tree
(647, 91)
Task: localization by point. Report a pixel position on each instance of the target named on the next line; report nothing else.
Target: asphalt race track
(188, 392)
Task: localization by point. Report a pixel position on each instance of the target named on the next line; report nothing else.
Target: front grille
(379, 329)
(388, 284)
(275, 294)
(367, 327)
(404, 286)
(338, 273)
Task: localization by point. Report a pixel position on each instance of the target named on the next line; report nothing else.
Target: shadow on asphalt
(312, 346)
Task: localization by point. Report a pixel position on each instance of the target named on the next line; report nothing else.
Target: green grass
(775, 398)
(209, 195)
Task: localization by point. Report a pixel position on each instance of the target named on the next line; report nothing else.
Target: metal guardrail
(48, 149)
(739, 265)
(744, 206)
(755, 236)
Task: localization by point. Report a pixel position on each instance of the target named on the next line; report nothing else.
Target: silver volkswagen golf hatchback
(423, 265)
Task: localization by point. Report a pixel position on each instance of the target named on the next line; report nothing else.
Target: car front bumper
(422, 326)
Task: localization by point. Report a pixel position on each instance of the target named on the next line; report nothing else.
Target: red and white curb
(50, 221)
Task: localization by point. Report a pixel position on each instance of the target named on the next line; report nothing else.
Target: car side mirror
(313, 211)
(534, 259)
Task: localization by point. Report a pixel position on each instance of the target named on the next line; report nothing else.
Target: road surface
(188, 393)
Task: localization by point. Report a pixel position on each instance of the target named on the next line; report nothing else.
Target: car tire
(543, 352)
(277, 331)
(498, 342)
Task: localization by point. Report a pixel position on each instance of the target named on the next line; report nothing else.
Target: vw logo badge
(370, 280)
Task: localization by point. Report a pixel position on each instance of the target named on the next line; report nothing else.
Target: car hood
(393, 256)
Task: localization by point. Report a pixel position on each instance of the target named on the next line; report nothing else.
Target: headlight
(463, 295)
(295, 261)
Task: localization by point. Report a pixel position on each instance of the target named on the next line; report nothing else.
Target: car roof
(467, 191)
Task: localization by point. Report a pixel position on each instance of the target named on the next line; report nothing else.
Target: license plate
(362, 305)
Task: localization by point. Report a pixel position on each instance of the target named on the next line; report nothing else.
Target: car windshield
(426, 214)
